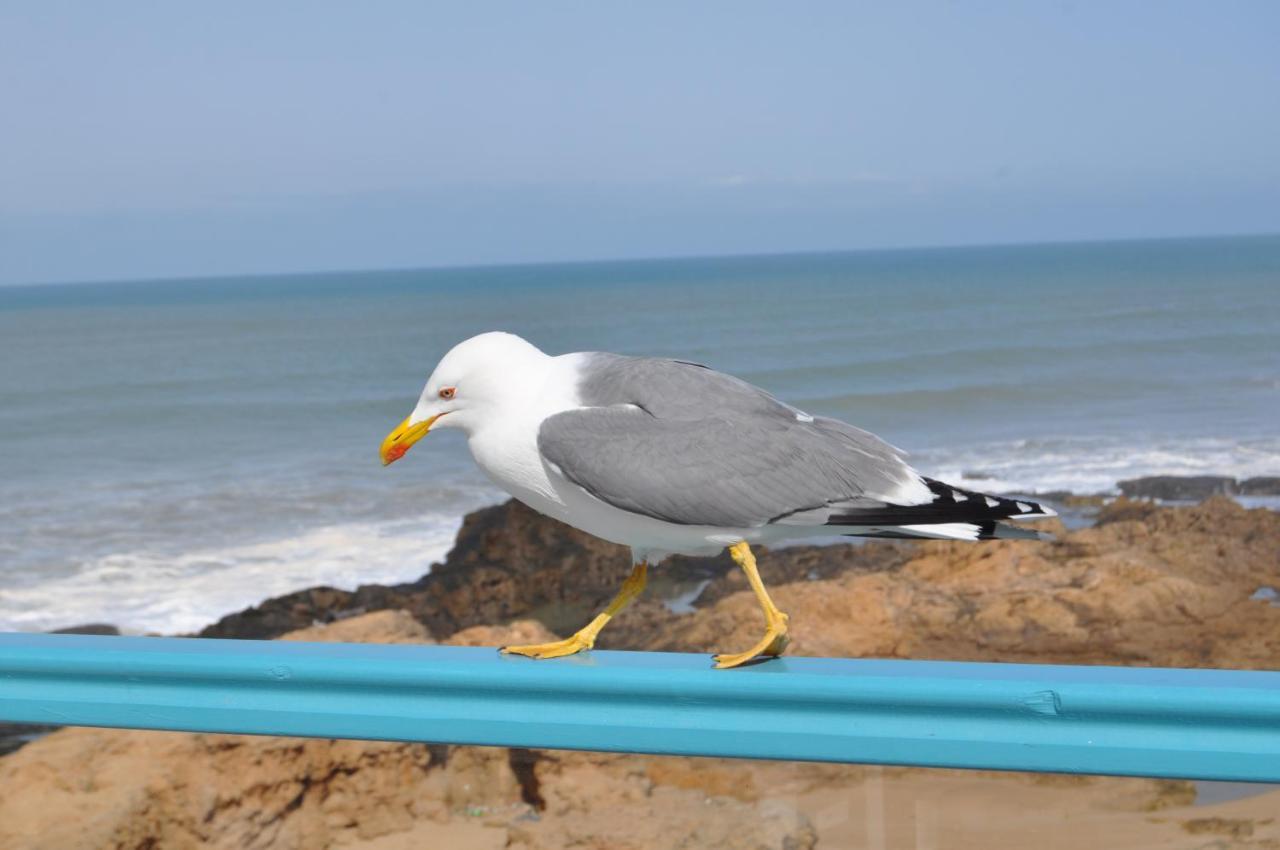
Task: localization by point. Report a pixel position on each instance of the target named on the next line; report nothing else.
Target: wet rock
(1071, 500)
(507, 561)
(1266, 485)
(1178, 488)
(281, 614)
(14, 736)
(1194, 488)
(88, 629)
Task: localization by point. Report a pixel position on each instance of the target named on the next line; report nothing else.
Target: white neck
(505, 443)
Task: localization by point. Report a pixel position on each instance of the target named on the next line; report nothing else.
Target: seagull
(672, 457)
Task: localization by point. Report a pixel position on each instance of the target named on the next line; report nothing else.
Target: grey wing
(688, 445)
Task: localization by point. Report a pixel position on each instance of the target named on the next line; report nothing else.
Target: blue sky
(163, 139)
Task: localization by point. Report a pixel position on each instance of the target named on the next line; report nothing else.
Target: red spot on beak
(395, 453)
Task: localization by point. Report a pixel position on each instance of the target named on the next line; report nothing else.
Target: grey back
(683, 443)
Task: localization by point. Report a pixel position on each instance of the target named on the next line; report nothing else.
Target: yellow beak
(402, 438)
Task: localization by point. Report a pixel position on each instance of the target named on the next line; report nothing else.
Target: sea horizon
(483, 265)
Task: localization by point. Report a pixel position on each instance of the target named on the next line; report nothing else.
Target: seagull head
(478, 381)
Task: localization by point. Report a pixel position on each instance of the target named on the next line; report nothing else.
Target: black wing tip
(936, 513)
(1003, 531)
(949, 505)
(1004, 507)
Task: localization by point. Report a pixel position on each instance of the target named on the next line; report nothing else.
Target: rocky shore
(1145, 585)
(1194, 488)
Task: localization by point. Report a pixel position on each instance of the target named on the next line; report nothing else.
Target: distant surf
(1093, 465)
(145, 592)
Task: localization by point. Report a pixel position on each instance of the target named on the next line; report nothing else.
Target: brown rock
(811, 563)
(507, 562)
(510, 562)
(613, 803)
(274, 617)
(1234, 827)
(1148, 586)
(521, 631)
(378, 627)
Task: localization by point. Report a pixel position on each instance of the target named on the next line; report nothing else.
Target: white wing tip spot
(991, 503)
(1024, 507)
(801, 416)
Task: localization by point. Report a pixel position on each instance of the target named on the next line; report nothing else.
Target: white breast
(506, 449)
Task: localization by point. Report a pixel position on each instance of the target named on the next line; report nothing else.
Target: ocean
(171, 451)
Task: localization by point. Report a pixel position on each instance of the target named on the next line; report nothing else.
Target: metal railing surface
(1195, 724)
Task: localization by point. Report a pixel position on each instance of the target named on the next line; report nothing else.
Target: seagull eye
(447, 393)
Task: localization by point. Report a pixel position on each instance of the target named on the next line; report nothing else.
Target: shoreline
(1076, 510)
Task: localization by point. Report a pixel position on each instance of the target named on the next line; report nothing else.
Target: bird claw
(773, 643)
(557, 649)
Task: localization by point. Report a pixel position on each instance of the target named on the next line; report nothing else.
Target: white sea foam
(151, 591)
(1095, 464)
(147, 592)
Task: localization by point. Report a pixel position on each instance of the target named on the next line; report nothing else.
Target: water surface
(174, 450)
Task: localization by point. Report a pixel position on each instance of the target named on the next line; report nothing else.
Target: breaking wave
(152, 592)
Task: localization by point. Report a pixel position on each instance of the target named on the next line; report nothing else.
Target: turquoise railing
(1195, 724)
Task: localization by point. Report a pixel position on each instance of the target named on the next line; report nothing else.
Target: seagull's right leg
(775, 635)
(585, 638)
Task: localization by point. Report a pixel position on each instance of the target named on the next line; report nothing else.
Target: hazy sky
(166, 138)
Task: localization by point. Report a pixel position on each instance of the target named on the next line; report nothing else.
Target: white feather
(944, 530)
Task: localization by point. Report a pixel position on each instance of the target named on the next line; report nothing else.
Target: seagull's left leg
(775, 636)
(585, 638)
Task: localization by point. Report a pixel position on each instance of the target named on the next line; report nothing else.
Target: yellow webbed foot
(585, 637)
(773, 643)
(558, 649)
